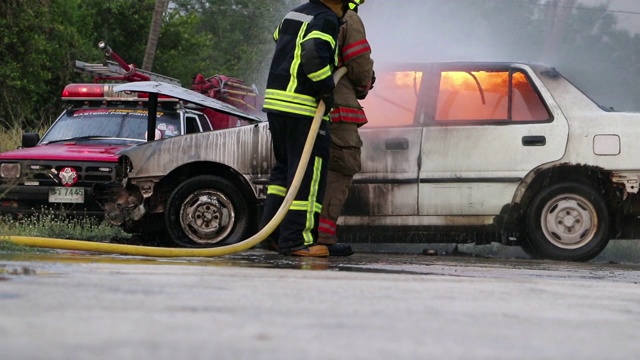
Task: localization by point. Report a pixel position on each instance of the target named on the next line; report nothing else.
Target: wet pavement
(260, 305)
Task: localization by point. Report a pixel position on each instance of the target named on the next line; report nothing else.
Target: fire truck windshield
(110, 125)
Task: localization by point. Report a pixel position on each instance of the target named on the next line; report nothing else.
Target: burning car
(456, 152)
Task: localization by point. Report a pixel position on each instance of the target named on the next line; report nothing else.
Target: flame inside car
(462, 96)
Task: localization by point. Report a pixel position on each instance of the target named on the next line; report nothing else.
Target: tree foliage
(41, 39)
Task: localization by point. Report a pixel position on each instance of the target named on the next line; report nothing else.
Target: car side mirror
(30, 139)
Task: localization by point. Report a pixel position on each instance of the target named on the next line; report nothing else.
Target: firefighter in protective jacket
(346, 117)
(300, 75)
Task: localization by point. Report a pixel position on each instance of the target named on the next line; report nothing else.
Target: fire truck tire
(207, 211)
(567, 221)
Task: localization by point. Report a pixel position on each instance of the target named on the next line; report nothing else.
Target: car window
(392, 101)
(205, 125)
(192, 125)
(116, 123)
(485, 96)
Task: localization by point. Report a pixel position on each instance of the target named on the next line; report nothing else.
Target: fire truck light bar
(94, 92)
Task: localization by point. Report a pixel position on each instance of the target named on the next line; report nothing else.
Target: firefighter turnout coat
(355, 54)
(346, 117)
(304, 60)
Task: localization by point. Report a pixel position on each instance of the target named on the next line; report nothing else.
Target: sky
(443, 30)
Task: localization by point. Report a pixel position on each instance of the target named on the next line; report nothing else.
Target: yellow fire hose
(182, 252)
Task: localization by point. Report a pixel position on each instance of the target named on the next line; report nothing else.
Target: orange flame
(489, 81)
(408, 78)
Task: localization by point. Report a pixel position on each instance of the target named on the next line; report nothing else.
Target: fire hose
(81, 245)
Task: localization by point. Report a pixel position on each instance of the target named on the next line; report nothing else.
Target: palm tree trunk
(154, 34)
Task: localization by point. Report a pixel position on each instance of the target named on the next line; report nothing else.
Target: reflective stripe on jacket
(355, 54)
(304, 60)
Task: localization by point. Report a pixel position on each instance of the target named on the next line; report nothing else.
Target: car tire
(207, 211)
(567, 221)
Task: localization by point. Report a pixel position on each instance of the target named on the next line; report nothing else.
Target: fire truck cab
(59, 171)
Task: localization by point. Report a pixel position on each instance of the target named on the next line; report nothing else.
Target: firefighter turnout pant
(344, 163)
(299, 227)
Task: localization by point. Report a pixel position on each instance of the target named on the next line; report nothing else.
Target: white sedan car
(456, 152)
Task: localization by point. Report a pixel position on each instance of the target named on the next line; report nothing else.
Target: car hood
(191, 96)
(66, 151)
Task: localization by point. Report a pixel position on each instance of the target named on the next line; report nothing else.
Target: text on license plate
(61, 194)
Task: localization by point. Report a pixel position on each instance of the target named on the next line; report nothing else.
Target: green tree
(238, 34)
(39, 37)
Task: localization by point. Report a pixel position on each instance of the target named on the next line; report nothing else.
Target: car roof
(399, 66)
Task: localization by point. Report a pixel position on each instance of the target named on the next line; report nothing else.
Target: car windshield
(114, 125)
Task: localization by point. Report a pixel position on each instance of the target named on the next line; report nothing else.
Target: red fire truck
(78, 152)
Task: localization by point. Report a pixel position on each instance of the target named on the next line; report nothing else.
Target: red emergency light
(104, 92)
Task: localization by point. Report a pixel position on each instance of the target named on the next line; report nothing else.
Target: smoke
(436, 30)
(587, 50)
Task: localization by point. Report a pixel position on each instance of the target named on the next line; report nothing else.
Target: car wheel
(207, 211)
(568, 221)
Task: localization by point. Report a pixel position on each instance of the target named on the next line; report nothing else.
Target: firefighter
(299, 77)
(346, 117)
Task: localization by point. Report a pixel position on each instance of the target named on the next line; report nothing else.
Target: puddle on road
(55, 263)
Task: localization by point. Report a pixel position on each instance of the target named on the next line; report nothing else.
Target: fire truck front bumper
(20, 200)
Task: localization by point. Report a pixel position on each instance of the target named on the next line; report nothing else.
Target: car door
(385, 191)
(486, 127)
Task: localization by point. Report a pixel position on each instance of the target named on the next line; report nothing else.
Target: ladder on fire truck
(112, 71)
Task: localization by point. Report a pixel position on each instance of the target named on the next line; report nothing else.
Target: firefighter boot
(340, 250)
(311, 251)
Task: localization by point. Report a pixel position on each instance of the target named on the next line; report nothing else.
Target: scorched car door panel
(488, 130)
(388, 182)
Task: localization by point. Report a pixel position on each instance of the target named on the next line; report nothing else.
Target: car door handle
(534, 140)
(396, 144)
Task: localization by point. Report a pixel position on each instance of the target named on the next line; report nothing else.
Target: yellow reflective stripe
(321, 74)
(290, 102)
(287, 107)
(276, 34)
(313, 195)
(299, 205)
(322, 36)
(276, 190)
(290, 97)
(310, 207)
(304, 205)
(297, 58)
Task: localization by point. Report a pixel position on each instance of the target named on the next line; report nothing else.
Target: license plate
(61, 194)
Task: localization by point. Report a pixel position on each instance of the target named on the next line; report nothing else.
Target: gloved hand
(362, 92)
(373, 80)
(328, 103)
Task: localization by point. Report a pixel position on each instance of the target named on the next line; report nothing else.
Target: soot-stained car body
(457, 152)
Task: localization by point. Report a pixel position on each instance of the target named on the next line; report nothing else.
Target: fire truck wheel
(568, 221)
(207, 211)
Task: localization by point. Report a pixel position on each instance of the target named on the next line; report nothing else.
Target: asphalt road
(259, 305)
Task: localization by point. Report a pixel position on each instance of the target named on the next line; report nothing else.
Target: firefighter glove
(328, 101)
(373, 79)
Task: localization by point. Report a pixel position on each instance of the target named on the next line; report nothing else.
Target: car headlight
(9, 170)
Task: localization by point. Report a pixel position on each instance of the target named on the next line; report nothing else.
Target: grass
(11, 138)
(51, 225)
(48, 223)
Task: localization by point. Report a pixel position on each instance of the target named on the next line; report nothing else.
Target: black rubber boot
(340, 250)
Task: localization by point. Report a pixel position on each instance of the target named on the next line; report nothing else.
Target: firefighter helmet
(353, 4)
